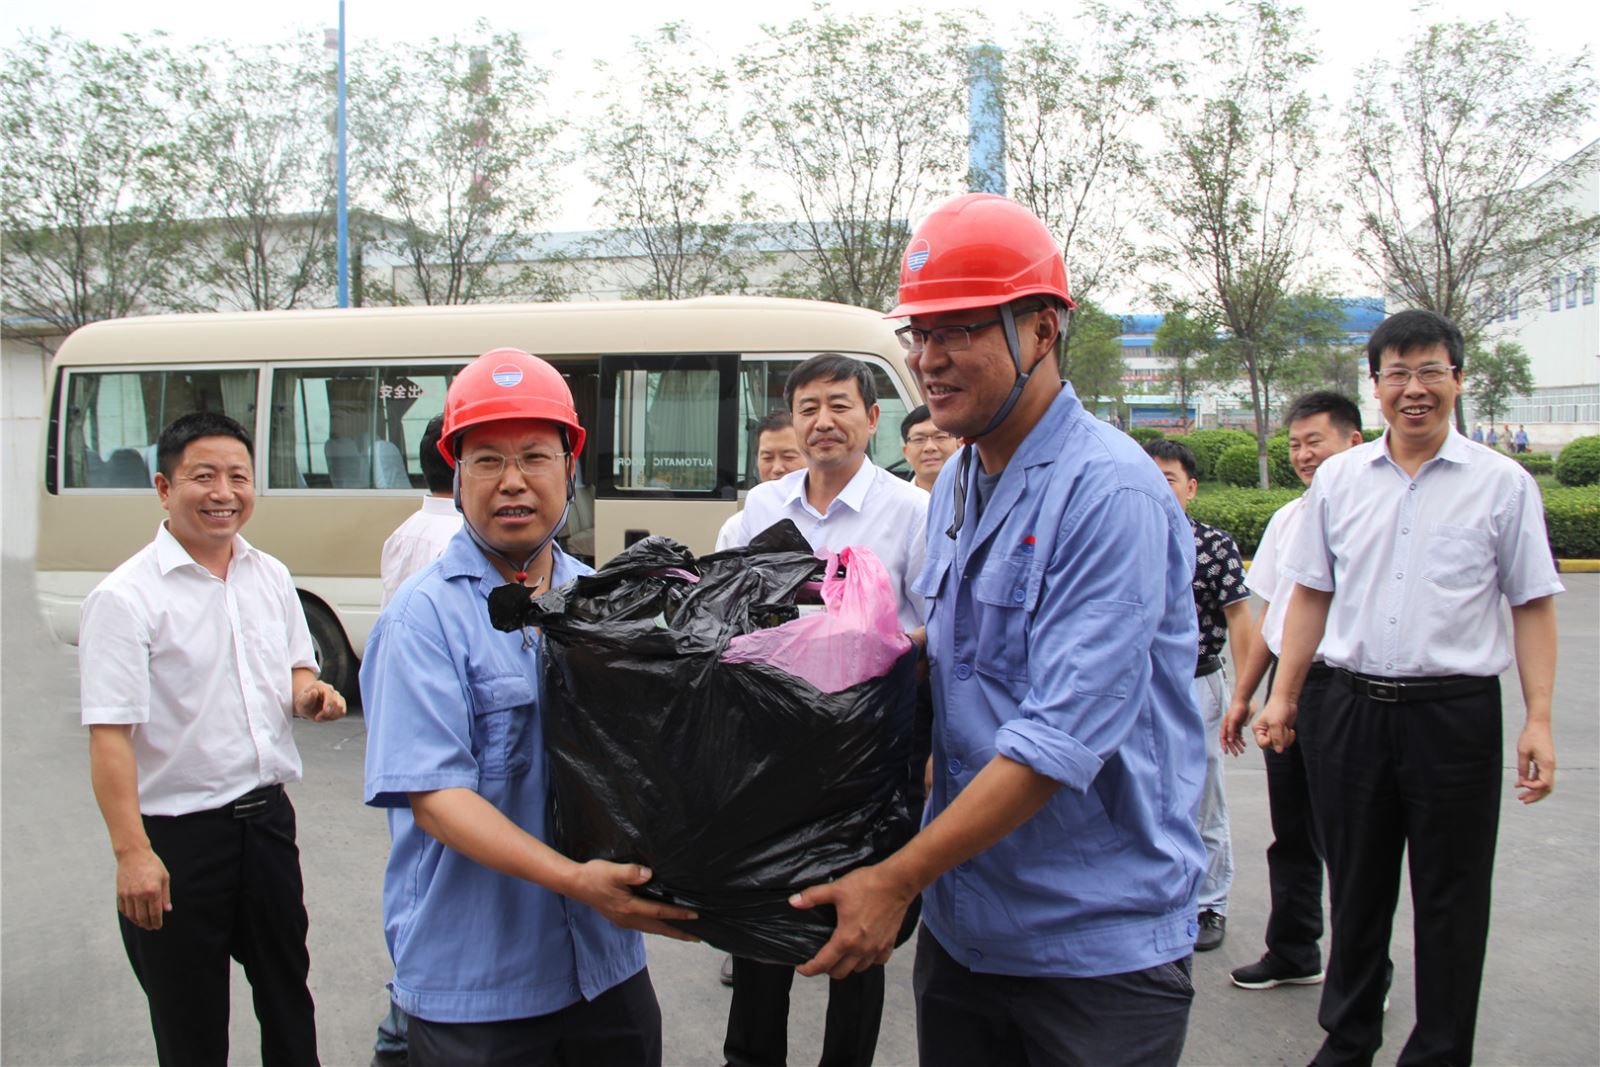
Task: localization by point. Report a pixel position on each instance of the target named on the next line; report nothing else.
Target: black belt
(1397, 691)
(1207, 665)
(252, 803)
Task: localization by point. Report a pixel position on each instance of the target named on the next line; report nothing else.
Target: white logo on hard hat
(506, 375)
(918, 256)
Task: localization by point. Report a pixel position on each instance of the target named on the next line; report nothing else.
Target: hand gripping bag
(737, 783)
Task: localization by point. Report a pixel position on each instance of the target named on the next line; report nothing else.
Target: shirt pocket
(502, 724)
(929, 582)
(1008, 592)
(1459, 557)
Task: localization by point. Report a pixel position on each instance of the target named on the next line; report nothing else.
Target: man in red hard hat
(505, 951)
(1059, 860)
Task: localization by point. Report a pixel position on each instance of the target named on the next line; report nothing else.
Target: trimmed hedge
(1579, 462)
(1372, 435)
(1280, 472)
(1572, 516)
(1239, 465)
(1535, 462)
(1145, 434)
(1243, 513)
(1207, 445)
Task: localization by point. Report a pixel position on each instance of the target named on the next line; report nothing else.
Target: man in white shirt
(1321, 424)
(1407, 548)
(777, 453)
(194, 657)
(839, 498)
(418, 541)
(926, 447)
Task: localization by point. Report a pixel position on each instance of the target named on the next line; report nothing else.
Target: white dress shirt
(727, 536)
(874, 509)
(1266, 579)
(416, 543)
(201, 668)
(1418, 566)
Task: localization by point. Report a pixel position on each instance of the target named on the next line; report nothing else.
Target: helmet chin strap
(1008, 322)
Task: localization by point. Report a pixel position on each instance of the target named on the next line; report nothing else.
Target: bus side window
(113, 419)
(352, 427)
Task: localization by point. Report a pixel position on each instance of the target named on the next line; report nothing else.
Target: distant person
(195, 659)
(1477, 434)
(1506, 438)
(1522, 438)
(777, 453)
(926, 447)
(1222, 607)
(1493, 440)
(415, 543)
(1408, 552)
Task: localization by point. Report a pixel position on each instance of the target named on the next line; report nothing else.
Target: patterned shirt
(1218, 582)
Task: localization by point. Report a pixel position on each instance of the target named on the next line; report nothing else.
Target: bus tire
(335, 661)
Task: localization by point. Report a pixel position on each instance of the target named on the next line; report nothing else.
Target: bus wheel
(335, 661)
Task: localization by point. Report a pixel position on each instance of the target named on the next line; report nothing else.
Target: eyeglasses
(1427, 374)
(486, 465)
(949, 338)
(917, 440)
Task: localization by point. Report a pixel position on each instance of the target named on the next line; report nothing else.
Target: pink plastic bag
(858, 637)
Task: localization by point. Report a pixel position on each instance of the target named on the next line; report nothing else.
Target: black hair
(831, 367)
(914, 418)
(773, 421)
(1407, 331)
(1340, 409)
(1173, 451)
(435, 471)
(191, 427)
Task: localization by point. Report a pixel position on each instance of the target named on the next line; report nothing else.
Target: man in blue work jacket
(505, 951)
(1059, 860)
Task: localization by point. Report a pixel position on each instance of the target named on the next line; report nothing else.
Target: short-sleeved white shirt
(1266, 579)
(1418, 566)
(874, 509)
(416, 543)
(200, 667)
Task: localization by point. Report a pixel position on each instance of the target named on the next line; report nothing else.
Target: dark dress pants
(236, 892)
(1388, 779)
(1294, 859)
(619, 1028)
(758, 1017)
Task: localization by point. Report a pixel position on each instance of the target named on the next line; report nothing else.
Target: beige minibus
(337, 401)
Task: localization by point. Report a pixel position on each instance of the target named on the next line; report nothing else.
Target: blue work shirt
(451, 702)
(1061, 634)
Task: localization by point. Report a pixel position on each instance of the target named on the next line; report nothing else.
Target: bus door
(667, 449)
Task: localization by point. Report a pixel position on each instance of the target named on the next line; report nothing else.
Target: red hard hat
(976, 251)
(508, 383)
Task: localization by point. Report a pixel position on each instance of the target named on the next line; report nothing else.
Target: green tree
(1240, 211)
(455, 142)
(1091, 355)
(261, 175)
(1072, 105)
(1445, 143)
(91, 178)
(1183, 342)
(857, 119)
(663, 157)
(1495, 375)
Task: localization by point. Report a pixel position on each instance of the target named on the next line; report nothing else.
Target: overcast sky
(568, 37)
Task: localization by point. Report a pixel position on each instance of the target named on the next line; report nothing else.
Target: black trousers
(1388, 779)
(619, 1028)
(236, 892)
(1294, 859)
(1137, 1019)
(758, 1017)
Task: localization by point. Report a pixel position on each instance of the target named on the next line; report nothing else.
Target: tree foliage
(1495, 375)
(1445, 144)
(664, 156)
(1184, 341)
(1240, 208)
(455, 141)
(1091, 355)
(856, 118)
(90, 179)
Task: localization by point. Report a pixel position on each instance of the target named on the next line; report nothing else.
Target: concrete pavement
(68, 997)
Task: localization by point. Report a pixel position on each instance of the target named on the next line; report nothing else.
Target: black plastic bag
(737, 784)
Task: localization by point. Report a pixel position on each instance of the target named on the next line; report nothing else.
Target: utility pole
(335, 40)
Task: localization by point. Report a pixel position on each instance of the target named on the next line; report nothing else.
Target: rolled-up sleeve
(1101, 608)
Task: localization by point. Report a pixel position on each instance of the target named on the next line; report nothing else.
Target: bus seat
(389, 466)
(126, 470)
(348, 465)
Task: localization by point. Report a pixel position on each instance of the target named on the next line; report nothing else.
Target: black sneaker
(1213, 928)
(1269, 972)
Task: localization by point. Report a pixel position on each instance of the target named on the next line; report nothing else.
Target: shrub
(1536, 462)
(1572, 517)
(1239, 465)
(1371, 434)
(1207, 445)
(1145, 434)
(1279, 470)
(1243, 513)
(1579, 462)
